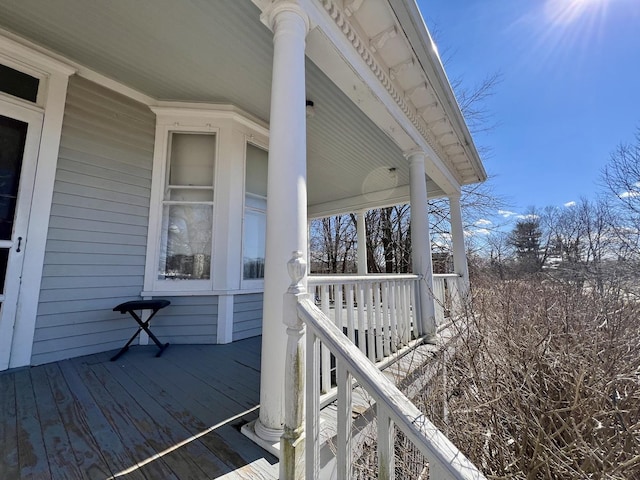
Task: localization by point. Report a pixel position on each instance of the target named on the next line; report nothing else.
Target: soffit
(394, 34)
(217, 52)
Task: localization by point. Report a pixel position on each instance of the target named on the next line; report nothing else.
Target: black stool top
(156, 304)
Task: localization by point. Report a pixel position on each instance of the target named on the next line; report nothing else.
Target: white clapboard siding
(247, 316)
(95, 250)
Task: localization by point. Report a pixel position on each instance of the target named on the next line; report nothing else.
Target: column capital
(276, 7)
(454, 196)
(414, 153)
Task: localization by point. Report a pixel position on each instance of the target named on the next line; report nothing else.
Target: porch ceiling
(220, 52)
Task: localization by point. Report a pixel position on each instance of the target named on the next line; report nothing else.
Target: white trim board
(56, 74)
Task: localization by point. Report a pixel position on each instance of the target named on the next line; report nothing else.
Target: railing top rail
(429, 440)
(446, 275)
(347, 279)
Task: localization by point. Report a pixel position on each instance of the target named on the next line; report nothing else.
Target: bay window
(207, 217)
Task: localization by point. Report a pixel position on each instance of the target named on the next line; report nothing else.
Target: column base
(257, 432)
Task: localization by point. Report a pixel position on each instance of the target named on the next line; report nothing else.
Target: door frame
(13, 274)
(54, 77)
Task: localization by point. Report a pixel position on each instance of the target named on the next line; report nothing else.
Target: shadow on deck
(141, 417)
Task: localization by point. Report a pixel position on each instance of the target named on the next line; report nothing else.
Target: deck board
(8, 428)
(188, 417)
(62, 461)
(89, 459)
(173, 417)
(108, 440)
(31, 452)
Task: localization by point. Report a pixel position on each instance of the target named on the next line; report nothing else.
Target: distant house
(155, 148)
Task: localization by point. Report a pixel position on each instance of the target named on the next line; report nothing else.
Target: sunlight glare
(564, 12)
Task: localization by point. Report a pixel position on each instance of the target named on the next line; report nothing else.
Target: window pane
(255, 226)
(256, 176)
(192, 158)
(18, 84)
(13, 135)
(191, 195)
(185, 249)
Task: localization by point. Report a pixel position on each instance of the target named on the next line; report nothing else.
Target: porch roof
(220, 52)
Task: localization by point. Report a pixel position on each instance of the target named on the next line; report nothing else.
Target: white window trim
(198, 118)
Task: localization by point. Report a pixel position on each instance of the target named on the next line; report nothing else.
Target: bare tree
(332, 244)
(621, 177)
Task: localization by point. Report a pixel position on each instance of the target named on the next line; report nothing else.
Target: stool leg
(126, 347)
(145, 326)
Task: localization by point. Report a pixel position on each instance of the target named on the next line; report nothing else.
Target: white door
(20, 129)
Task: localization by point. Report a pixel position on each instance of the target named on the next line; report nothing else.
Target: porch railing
(446, 292)
(377, 313)
(394, 411)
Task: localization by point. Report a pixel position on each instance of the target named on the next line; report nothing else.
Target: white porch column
(420, 240)
(457, 239)
(287, 202)
(362, 243)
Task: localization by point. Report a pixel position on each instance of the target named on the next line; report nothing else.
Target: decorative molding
(433, 123)
(424, 109)
(401, 67)
(361, 46)
(210, 111)
(352, 6)
(410, 91)
(379, 41)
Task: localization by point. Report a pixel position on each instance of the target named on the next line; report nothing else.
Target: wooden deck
(141, 417)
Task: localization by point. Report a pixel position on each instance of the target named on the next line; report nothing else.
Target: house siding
(247, 316)
(97, 235)
(187, 320)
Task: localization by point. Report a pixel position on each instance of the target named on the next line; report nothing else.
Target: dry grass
(544, 382)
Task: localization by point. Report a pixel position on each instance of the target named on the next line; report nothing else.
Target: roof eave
(410, 17)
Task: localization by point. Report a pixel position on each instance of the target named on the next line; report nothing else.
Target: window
(208, 201)
(255, 218)
(18, 84)
(187, 208)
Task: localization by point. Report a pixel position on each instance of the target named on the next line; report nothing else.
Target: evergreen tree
(526, 240)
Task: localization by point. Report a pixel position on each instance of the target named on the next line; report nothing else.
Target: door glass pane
(4, 258)
(18, 84)
(185, 249)
(13, 135)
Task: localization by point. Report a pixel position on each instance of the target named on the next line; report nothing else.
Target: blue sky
(570, 89)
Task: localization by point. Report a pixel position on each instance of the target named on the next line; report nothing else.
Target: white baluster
(386, 453)
(386, 318)
(379, 325)
(344, 452)
(350, 324)
(312, 439)
(393, 318)
(338, 306)
(362, 329)
(370, 323)
(325, 354)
